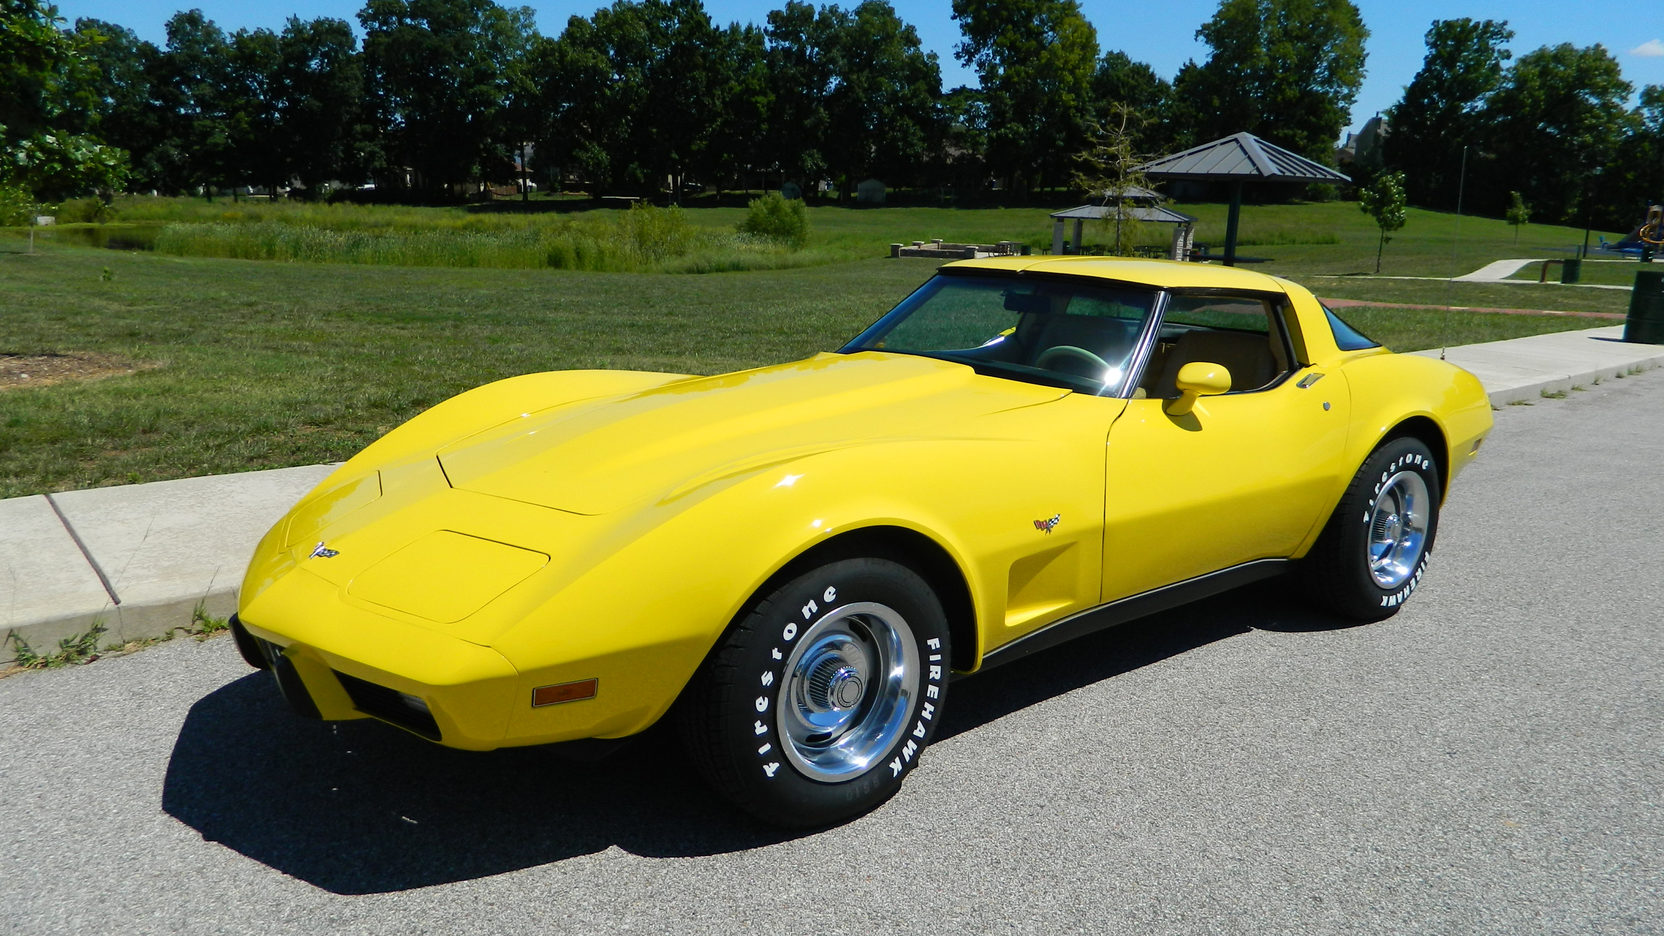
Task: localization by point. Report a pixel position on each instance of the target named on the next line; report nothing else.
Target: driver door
(1244, 475)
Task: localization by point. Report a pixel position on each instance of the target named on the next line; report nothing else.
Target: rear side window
(1348, 338)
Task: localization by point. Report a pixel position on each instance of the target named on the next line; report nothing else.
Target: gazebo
(1238, 159)
(1183, 223)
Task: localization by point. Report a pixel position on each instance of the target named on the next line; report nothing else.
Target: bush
(85, 211)
(785, 221)
(656, 234)
(17, 206)
(1322, 192)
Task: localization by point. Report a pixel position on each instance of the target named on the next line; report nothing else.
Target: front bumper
(350, 663)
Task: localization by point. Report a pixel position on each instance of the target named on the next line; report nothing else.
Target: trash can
(1571, 270)
(1645, 323)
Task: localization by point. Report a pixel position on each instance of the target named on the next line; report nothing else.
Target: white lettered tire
(823, 696)
(1373, 554)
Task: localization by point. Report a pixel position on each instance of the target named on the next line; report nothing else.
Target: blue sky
(1161, 34)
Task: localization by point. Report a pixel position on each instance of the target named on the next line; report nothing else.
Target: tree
(739, 129)
(43, 154)
(1108, 171)
(855, 94)
(320, 88)
(1035, 59)
(1557, 118)
(118, 88)
(1443, 108)
(253, 111)
(801, 70)
(193, 91)
(1384, 201)
(1518, 213)
(881, 107)
(1120, 82)
(1287, 70)
(438, 76)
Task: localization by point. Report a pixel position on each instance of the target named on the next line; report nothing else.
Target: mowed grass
(269, 364)
(261, 365)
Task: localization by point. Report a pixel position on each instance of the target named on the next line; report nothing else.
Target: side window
(1243, 333)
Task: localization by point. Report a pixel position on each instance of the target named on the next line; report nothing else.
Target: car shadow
(362, 808)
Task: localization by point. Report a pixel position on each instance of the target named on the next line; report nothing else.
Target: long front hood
(602, 455)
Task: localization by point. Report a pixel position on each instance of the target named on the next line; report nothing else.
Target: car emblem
(324, 552)
(1045, 525)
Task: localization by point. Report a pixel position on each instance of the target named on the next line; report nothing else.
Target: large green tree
(119, 91)
(1443, 109)
(1557, 118)
(1036, 60)
(320, 88)
(1285, 70)
(856, 94)
(1131, 95)
(438, 73)
(44, 149)
(739, 129)
(193, 90)
(636, 90)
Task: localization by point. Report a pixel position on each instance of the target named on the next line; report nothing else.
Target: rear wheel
(1374, 551)
(823, 696)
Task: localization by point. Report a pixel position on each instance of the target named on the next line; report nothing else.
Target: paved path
(1495, 272)
(1487, 762)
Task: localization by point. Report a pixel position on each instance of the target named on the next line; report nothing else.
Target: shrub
(656, 234)
(17, 206)
(782, 220)
(85, 211)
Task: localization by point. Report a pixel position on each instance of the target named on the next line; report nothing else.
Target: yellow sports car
(792, 562)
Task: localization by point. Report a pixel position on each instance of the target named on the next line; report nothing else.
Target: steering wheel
(1066, 354)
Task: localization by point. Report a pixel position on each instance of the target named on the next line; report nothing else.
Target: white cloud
(1652, 48)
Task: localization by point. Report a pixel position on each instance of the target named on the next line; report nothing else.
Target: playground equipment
(1645, 240)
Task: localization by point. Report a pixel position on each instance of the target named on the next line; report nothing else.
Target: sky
(1160, 34)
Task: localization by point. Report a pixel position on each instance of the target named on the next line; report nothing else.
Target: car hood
(598, 456)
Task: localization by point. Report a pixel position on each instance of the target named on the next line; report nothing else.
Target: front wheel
(822, 697)
(1372, 555)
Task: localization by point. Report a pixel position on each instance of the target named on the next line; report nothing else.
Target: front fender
(1389, 389)
(673, 575)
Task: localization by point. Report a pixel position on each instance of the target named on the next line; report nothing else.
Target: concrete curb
(1520, 370)
(137, 560)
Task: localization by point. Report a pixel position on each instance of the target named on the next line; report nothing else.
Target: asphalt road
(1489, 761)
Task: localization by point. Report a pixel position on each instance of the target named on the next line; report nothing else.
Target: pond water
(109, 236)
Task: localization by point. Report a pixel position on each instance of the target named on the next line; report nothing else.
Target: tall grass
(643, 239)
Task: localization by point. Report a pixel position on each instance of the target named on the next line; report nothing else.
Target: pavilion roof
(1241, 157)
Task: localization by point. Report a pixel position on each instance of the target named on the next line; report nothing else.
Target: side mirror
(1198, 379)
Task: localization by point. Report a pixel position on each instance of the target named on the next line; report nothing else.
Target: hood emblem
(324, 552)
(1042, 525)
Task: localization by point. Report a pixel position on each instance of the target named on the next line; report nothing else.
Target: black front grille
(389, 706)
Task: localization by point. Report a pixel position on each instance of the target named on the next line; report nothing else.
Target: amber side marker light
(564, 692)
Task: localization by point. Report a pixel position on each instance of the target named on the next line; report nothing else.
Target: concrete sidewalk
(139, 559)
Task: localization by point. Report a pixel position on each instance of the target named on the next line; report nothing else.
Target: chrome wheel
(1398, 528)
(848, 687)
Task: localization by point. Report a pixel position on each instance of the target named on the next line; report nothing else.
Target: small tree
(1384, 201)
(1517, 214)
(1109, 168)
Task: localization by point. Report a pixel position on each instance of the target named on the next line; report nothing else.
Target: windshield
(1059, 332)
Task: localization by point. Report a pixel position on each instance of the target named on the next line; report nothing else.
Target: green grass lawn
(251, 364)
